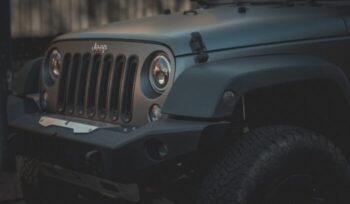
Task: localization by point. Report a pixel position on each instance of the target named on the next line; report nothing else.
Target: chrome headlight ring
(55, 63)
(159, 73)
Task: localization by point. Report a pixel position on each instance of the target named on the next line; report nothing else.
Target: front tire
(276, 165)
(29, 176)
(37, 188)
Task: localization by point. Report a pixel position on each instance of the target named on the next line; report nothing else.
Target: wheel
(28, 174)
(275, 165)
(40, 189)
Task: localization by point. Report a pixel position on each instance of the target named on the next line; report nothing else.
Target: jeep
(240, 102)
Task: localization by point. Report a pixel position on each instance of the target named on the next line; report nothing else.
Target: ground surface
(10, 193)
(14, 202)
(9, 190)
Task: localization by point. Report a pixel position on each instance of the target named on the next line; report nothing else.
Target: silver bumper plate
(75, 126)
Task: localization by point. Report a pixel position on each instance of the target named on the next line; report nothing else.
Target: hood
(224, 27)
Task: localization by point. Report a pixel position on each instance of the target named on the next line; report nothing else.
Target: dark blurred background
(35, 23)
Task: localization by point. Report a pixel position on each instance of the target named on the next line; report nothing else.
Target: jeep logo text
(99, 48)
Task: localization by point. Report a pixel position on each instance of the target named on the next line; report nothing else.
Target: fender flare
(26, 80)
(199, 90)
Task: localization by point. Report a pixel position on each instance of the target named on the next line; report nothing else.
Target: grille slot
(128, 90)
(82, 84)
(115, 86)
(92, 84)
(62, 85)
(71, 83)
(97, 86)
(103, 86)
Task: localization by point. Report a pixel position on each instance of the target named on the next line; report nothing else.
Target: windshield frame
(221, 2)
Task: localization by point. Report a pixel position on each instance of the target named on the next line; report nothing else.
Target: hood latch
(198, 47)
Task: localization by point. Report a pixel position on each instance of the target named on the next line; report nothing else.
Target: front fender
(198, 92)
(26, 79)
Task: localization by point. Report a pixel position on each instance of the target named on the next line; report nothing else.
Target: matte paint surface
(223, 27)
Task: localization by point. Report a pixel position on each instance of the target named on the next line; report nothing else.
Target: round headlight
(55, 63)
(159, 74)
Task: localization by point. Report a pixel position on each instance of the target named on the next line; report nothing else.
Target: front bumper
(114, 153)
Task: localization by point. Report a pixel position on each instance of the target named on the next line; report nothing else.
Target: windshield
(277, 1)
(215, 2)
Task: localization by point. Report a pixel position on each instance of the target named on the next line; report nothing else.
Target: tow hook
(93, 162)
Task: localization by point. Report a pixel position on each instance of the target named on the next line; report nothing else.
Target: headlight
(159, 74)
(55, 63)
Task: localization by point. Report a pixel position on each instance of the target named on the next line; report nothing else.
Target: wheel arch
(299, 90)
(26, 79)
(199, 90)
(316, 104)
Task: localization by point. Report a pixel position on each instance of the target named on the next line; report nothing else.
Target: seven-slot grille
(97, 86)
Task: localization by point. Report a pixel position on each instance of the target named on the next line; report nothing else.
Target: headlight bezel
(159, 59)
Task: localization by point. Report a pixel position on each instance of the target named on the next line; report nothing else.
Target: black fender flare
(198, 91)
(26, 79)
